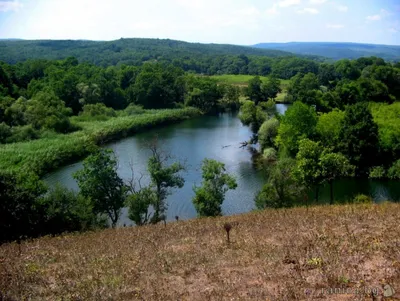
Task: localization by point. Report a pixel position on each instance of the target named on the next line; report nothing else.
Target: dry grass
(273, 255)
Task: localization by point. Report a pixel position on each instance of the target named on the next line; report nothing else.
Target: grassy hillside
(337, 51)
(295, 254)
(128, 51)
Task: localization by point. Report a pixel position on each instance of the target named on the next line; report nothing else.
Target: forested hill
(336, 51)
(123, 51)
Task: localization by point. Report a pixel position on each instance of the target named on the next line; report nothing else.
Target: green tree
(138, 204)
(329, 126)
(252, 115)
(20, 210)
(99, 181)
(163, 177)
(254, 91)
(282, 189)
(334, 166)
(211, 194)
(268, 132)
(359, 137)
(271, 88)
(67, 211)
(308, 171)
(394, 170)
(299, 122)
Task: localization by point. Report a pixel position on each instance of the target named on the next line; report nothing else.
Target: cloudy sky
(210, 21)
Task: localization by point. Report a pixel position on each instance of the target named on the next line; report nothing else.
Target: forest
(344, 122)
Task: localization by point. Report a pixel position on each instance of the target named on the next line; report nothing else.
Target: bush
(362, 199)
(269, 155)
(97, 111)
(377, 172)
(268, 132)
(5, 132)
(67, 211)
(394, 171)
(23, 133)
(133, 109)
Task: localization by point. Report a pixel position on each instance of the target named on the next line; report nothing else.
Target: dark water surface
(216, 137)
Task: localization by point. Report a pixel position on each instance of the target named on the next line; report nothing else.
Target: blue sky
(242, 22)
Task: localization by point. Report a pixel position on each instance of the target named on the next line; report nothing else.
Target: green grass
(56, 150)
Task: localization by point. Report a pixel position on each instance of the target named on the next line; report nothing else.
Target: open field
(48, 153)
(289, 254)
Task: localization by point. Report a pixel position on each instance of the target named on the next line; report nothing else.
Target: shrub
(5, 132)
(377, 172)
(23, 133)
(362, 199)
(133, 109)
(268, 132)
(394, 171)
(97, 111)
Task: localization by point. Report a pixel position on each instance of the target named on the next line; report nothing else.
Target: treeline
(40, 95)
(206, 59)
(343, 123)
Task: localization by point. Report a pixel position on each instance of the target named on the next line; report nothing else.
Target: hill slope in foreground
(295, 254)
(337, 51)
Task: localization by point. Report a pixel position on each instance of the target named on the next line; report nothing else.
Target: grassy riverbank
(289, 254)
(50, 152)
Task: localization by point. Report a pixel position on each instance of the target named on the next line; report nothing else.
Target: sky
(242, 22)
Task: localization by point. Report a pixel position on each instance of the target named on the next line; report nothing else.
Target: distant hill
(336, 51)
(129, 51)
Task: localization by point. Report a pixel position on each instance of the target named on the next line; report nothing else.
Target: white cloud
(6, 6)
(384, 13)
(287, 3)
(317, 1)
(393, 30)
(342, 8)
(308, 10)
(335, 26)
(374, 18)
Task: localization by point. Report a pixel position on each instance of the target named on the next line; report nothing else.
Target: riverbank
(46, 154)
(288, 254)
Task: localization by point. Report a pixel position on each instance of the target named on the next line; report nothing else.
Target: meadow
(285, 254)
(55, 150)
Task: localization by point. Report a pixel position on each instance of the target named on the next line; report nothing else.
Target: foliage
(253, 115)
(138, 204)
(299, 122)
(358, 122)
(377, 172)
(362, 199)
(271, 88)
(5, 132)
(268, 132)
(67, 211)
(254, 90)
(163, 177)
(329, 126)
(99, 181)
(394, 171)
(282, 190)
(211, 194)
(19, 210)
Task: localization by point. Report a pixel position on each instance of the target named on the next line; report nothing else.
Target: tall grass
(46, 154)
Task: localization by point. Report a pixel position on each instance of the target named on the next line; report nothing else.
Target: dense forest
(344, 122)
(337, 51)
(192, 57)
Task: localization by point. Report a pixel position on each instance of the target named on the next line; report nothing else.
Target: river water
(216, 137)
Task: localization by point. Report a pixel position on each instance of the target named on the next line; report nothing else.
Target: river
(216, 137)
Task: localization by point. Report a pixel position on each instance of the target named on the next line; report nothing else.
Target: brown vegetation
(293, 254)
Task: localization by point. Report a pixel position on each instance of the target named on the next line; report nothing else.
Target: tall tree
(163, 177)
(359, 137)
(254, 91)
